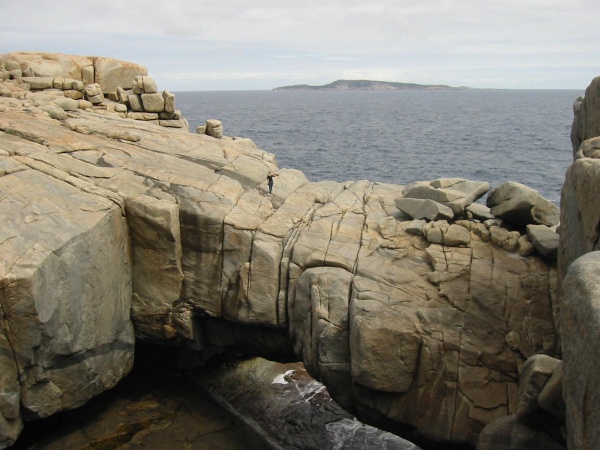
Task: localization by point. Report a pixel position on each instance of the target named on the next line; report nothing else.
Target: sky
(197, 45)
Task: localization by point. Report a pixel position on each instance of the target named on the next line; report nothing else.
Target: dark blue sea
(403, 136)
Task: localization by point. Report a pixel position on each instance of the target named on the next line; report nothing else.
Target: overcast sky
(247, 44)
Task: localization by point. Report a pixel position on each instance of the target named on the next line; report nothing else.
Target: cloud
(507, 42)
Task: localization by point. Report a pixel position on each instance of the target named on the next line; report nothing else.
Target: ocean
(402, 136)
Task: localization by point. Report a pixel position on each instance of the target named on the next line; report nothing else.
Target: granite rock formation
(107, 215)
(578, 274)
(579, 322)
(78, 82)
(586, 116)
(577, 313)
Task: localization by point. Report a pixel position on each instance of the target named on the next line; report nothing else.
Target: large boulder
(153, 102)
(34, 64)
(578, 265)
(521, 205)
(455, 193)
(579, 328)
(536, 372)
(111, 74)
(214, 128)
(66, 297)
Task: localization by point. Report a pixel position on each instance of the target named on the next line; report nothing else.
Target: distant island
(368, 85)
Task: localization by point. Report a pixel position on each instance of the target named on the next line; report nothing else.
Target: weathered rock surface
(74, 82)
(479, 211)
(66, 293)
(405, 332)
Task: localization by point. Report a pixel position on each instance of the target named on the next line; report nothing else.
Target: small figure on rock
(270, 180)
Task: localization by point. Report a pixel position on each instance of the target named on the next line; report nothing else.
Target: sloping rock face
(65, 297)
(108, 215)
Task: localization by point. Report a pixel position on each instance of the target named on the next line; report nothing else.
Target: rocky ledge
(116, 229)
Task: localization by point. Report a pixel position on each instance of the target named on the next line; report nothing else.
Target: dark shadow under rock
(292, 407)
(154, 407)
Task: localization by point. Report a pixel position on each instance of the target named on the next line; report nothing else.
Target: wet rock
(294, 409)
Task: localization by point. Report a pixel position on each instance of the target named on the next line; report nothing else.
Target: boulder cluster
(56, 84)
(515, 217)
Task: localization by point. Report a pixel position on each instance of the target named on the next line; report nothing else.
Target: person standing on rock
(270, 180)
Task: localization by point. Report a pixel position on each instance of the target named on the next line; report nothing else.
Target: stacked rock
(138, 99)
(94, 94)
(146, 103)
(515, 217)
